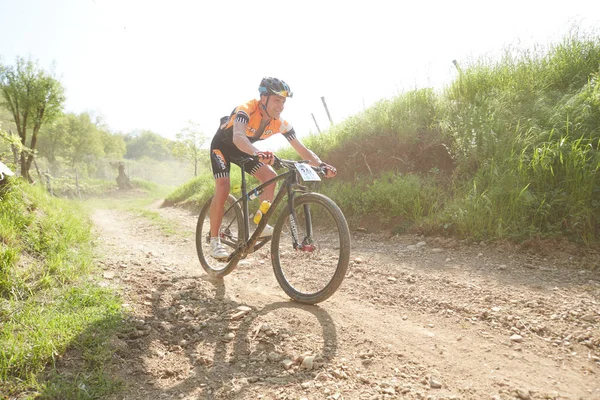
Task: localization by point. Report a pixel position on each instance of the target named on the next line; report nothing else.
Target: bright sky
(157, 64)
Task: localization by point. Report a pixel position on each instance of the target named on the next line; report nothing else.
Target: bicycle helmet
(269, 86)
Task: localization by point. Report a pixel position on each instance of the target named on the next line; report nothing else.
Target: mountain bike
(310, 246)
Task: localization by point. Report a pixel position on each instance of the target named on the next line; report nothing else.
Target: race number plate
(307, 173)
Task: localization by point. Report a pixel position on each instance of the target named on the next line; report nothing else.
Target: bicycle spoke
(231, 234)
(312, 271)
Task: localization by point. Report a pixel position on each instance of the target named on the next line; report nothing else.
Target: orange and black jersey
(250, 115)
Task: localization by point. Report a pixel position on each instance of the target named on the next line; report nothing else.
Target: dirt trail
(416, 318)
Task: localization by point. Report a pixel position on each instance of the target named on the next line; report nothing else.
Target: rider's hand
(265, 157)
(329, 170)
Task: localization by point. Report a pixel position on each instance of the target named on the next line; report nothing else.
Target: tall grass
(523, 131)
(46, 301)
(403, 116)
(529, 143)
(404, 200)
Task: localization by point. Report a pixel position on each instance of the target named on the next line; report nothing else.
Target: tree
(7, 122)
(13, 144)
(83, 140)
(147, 144)
(188, 145)
(53, 139)
(33, 97)
(76, 138)
(114, 145)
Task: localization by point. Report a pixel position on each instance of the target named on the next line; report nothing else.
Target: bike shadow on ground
(197, 343)
(218, 347)
(251, 355)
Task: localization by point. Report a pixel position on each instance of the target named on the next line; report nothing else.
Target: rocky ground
(416, 318)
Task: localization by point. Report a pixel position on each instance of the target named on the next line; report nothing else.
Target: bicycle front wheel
(313, 271)
(231, 233)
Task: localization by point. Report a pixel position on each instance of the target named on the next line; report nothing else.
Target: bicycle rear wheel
(313, 272)
(231, 233)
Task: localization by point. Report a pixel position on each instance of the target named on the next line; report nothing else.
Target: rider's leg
(220, 167)
(218, 205)
(217, 250)
(263, 174)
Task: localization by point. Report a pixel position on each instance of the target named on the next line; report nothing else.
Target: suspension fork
(308, 219)
(293, 226)
(298, 243)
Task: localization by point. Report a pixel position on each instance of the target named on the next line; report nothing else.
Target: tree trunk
(34, 135)
(122, 180)
(25, 168)
(22, 130)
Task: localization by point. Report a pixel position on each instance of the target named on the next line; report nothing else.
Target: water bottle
(262, 210)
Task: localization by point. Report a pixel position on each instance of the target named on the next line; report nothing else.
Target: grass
(154, 217)
(193, 193)
(144, 194)
(47, 303)
(197, 191)
(524, 133)
(137, 202)
(69, 188)
(407, 200)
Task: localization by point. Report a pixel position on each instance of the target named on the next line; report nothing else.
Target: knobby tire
(234, 223)
(312, 277)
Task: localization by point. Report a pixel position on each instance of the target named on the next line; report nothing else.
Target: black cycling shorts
(222, 154)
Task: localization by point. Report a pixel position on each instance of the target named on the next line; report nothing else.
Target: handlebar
(280, 163)
(290, 164)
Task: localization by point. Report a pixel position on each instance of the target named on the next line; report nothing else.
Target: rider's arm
(240, 139)
(305, 153)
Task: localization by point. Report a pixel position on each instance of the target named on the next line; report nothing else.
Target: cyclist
(250, 122)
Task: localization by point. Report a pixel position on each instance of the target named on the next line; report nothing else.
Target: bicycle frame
(289, 188)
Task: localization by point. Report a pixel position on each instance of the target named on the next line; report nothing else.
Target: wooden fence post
(313, 115)
(326, 109)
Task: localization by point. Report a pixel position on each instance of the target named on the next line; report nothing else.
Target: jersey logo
(218, 156)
